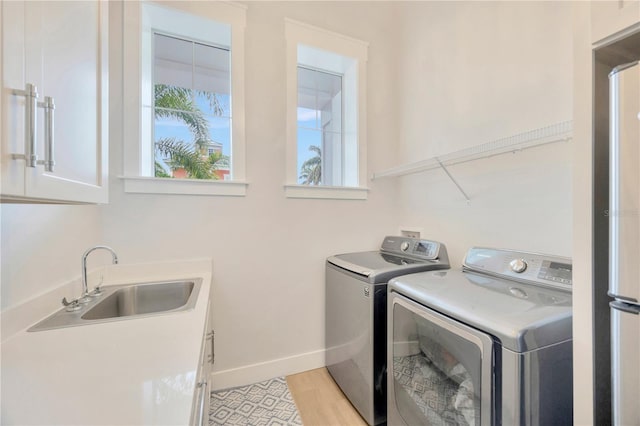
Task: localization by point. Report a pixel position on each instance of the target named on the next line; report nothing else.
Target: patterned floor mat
(265, 403)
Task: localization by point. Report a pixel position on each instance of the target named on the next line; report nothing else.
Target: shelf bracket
(455, 182)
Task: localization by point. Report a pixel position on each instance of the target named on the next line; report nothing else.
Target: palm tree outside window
(320, 138)
(192, 114)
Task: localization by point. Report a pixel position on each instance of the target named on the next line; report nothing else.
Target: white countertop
(128, 372)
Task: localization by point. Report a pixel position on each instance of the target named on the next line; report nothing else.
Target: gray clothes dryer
(490, 344)
(356, 319)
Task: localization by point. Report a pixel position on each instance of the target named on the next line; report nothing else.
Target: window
(326, 121)
(319, 128)
(184, 100)
(191, 100)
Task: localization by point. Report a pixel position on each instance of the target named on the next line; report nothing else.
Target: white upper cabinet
(610, 17)
(60, 48)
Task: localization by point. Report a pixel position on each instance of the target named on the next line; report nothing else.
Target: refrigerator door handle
(621, 306)
(623, 298)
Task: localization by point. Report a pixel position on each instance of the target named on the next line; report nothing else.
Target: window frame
(325, 50)
(184, 20)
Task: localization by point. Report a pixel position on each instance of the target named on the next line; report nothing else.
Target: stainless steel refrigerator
(624, 242)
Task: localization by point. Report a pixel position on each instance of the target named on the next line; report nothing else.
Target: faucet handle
(71, 306)
(97, 290)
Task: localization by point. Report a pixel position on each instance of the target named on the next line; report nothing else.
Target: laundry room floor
(320, 401)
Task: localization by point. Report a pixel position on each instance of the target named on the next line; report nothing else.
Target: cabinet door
(64, 53)
(202, 394)
(12, 107)
(610, 17)
(210, 355)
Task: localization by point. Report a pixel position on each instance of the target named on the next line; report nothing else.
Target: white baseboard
(267, 370)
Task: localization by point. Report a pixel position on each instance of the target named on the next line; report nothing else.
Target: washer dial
(518, 265)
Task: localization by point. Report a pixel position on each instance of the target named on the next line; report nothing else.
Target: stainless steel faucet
(74, 304)
(86, 296)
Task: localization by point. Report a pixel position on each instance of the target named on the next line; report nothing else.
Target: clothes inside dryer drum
(444, 397)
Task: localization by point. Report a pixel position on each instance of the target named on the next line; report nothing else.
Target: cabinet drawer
(202, 393)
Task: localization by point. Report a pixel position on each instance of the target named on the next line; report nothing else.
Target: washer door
(439, 370)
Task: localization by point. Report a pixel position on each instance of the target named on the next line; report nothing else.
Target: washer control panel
(530, 268)
(556, 271)
(422, 249)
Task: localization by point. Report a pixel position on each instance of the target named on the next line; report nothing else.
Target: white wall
(42, 246)
(268, 251)
(473, 72)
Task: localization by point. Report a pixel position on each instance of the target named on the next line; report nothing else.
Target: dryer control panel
(529, 268)
(405, 246)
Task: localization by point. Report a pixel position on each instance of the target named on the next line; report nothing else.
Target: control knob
(518, 265)
(404, 246)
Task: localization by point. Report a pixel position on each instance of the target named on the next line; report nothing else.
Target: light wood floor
(320, 401)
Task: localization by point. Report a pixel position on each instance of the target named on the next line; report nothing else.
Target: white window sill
(326, 192)
(151, 185)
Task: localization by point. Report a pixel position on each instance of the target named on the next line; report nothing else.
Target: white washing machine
(356, 319)
(490, 344)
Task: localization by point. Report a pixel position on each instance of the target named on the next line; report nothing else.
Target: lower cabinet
(202, 393)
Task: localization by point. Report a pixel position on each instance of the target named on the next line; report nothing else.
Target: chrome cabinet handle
(49, 106)
(30, 93)
(30, 133)
(212, 357)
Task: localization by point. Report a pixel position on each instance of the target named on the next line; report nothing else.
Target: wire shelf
(558, 132)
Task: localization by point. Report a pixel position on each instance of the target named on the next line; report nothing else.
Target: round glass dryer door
(441, 368)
